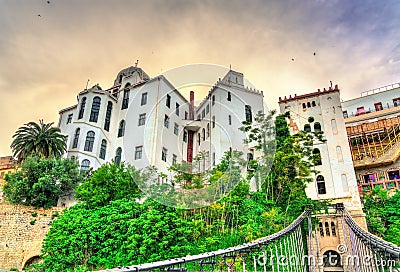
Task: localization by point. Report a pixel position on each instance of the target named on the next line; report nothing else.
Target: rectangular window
(144, 99)
(69, 119)
(378, 106)
(166, 121)
(168, 102)
(138, 152)
(176, 129)
(174, 158)
(142, 119)
(360, 110)
(203, 114)
(230, 120)
(164, 154)
(229, 98)
(321, 188)
(186, 115)
(345, 115)
(177, 109)
(185, 134)
(213, 100)
(207, 108)
(198, 138)
(396, 102)
(213, 122)
(198, 117)
(213, 158)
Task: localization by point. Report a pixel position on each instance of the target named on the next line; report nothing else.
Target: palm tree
(42, 139)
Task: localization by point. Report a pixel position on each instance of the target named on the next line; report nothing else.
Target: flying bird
(292, 59)
(315, 53)
(48, 2)
(39, 15)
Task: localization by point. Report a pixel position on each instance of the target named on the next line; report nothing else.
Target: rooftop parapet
(319, 92)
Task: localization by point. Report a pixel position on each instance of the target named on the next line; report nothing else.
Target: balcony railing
(387, 184)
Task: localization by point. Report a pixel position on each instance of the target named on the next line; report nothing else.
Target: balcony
(387, 184)
(193, 125)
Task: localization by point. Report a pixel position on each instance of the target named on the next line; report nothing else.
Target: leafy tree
(286, 162)
(382, 213)
(41, 181)
(110, 182)
(41, 139)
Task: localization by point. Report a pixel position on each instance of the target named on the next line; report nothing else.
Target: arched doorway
(32, 260)
(332, 261)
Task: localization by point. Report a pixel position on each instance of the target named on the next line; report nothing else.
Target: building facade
(7, 166)
(147, 122)
(335, 180)
(373, 131)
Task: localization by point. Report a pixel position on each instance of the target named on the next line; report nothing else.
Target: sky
(48, 50)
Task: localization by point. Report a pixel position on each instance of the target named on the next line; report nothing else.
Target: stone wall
(22, 230)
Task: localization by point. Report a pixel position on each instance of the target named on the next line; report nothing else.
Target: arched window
(213, 100)
(327, 231)
(213, 122)
(204, 134)
(331, 259)
(345, 184)
(121, 129)
(76, 138)
(321, 229)
(321, 185)
(304, 105)
(247, 111)
(317, 157)
(317, 126)
(339, 153)
(103, 149)
(334, 126)
(94, 113)
(89, 141)
(108, 116)
(82, 108)
(307, 127)
(125, 99)
(313, 103)
(308, 104)
(118, 154)
(208, 130)
(199, 138)
(85, 165)
(250, 156)
(333, 229)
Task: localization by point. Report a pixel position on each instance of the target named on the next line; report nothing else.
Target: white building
(146, 121)
(318, 111)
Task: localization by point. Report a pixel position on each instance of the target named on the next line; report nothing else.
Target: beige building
(373, 131)
(7, 166)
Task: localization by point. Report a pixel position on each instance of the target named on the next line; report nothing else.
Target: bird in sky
(292, 59)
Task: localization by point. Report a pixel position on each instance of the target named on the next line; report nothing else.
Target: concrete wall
(20, 236)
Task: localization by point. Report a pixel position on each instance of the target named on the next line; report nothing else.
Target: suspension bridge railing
(367, 251)
(282, 251)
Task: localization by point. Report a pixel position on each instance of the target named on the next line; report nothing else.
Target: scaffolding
(373, 139)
